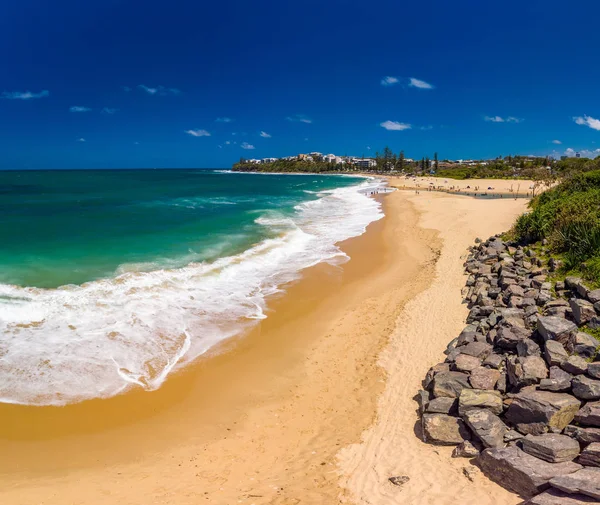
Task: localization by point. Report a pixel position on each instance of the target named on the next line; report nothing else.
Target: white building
(364, 163)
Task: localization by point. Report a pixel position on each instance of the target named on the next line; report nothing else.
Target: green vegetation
(568, 216)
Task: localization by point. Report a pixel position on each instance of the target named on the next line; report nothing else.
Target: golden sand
(275, 416)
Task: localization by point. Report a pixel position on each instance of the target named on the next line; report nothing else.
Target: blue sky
(200, 84)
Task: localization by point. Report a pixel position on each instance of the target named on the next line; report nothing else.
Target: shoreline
(262, 421)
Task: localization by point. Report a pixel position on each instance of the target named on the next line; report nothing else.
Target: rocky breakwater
(519, 389)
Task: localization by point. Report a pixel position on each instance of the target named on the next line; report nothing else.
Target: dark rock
(576, 285)
(509, 337)
(433, 371)
(594, 370)
(484, 378)
(512, 435)
(442, 405)
(466, 450)
(585, 388)
(589, 415)
(583, 344)
(526, 371)
(520, 472)
(494, 360)
(543, 297)
(443, 429)
(559, 380)
(488, 427)
(583, 435)
(477, 349)
(399, 480)
(551, 447)
(450, 384)
(585, 481)
(528, 347)
(583, 310)
(555, 328)
(514, 290)
(536, 411)
(575, 365)
(590, 456)
(466, 363)
(557, 497)
(555, 353)
(480, 398)
(594, 296)
(422, 399)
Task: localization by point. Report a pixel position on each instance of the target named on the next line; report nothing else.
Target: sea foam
(65, 345)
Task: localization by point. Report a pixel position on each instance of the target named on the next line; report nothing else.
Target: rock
(556, 497)
(559, 380)
(551, 447)
(422, 398)
(594, 370)
(466, 363)
(589, 415)
(555, 328)
(484, 378)
(585, 481)
(466, 450)
(583, 344)
(583, 435)
(399, 480)
(555, 353)
(449, 384)
(442, 405)
(479, 398)
(512, 435)
(583, 310)
(433, 371)
(575, 365)
(443, 429)
(536, 411)
(509, 337)
(514, 290)
(526, 371)
(585, 388)
(520, 472)
(477, 349)
(494, 360)
(590, 456)
(576, 285)
(488, 427)
(594, 296)
(528, 347)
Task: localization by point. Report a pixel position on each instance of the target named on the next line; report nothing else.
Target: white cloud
(368, 148)
(557, 142)
(24, 95)
(418, 83)
(593, 123)
(265, 135)
(245, 145)
(81, 140)
(108, 110)
(198, 133)
(301, 118)
(389, 80)
(584, 153)
(223, 120)
(79, 108)
(499, 119)
(395, 125)
(424, 128)
(126, 88)
(159, 90)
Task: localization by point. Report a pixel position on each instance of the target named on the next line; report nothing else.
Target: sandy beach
(313, 406)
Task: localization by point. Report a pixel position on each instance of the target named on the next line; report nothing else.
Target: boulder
(557, 497)
(585, 388)
(576, 285)
(526, 371)
(555, 328)
(495, 360)
(536, 412)
(422, 398)
(583, 435)
(528, 347)
(585, 481)
(450, 384)
(594, 296)
(590, 456)
(479, 398)
(514, 290)
(486, 426)
(575, 364)
(559, 380)
(466, 450)
(476, 349)
(583, 344)
(433, 371)
(583, 310)
(589, 415)
(509, 337)
(520, 472)
(443, 429)
(551, 447)
(484, 378)
(594, 370)
(442, 405)
(555, 353)
(466, 363)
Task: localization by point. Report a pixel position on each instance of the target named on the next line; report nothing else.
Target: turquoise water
(70, 227)
(111, 280)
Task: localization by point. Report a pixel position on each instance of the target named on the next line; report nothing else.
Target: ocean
(112, 279)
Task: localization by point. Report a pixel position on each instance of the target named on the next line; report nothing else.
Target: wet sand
(275, 416)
